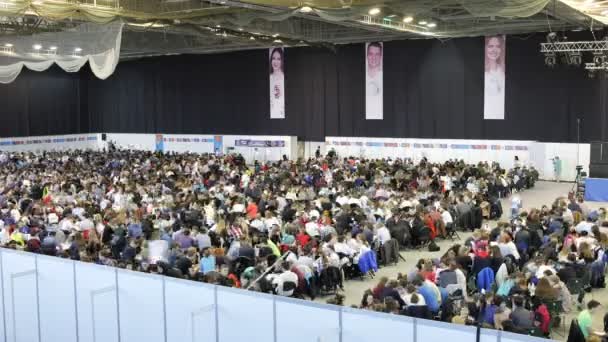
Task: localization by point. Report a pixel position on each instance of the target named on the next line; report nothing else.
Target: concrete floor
(543, 193)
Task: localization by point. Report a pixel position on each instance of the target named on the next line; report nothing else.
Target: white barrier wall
(252, 147)
(436, 150)
(144, 142)
(568, 154)
(532, 153)
(46, 299)
(307, 149)
(51, 143)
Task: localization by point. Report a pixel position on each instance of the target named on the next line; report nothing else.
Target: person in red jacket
(302, 237)
(541, 316)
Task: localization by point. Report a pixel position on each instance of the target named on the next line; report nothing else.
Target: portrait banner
(494, 78)
(277, 83)
(373, 80)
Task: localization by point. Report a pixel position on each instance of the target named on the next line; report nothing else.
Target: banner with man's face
(373, 81)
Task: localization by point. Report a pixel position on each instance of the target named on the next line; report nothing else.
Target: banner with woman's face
(494, 78)
(277, 82)
(373, 81)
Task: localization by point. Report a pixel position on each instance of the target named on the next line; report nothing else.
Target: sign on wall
(494, 78)
(259, 143)
(277, 83)
(373, 81)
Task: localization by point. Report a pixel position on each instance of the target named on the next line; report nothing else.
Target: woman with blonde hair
(545, 291)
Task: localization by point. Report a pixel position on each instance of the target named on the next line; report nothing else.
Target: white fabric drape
(99, 45)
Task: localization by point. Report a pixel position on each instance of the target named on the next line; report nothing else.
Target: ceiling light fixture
(374, 11)
(77, 49)
(275, 35)
(306, 9)
(8, 45)
(408, 20)
(431, 25)
(278, 41)
(252, 38)
(53, 48)
(37, 46)
(422, 22)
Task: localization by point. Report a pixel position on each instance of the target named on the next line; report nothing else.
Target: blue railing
(48, 299)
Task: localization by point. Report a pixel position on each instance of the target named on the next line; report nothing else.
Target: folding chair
(451, 231)
(555, 309)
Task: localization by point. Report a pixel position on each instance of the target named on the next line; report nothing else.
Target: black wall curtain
(432, 89)
(46, 103)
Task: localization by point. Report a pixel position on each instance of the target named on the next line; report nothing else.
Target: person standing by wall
(557, 168)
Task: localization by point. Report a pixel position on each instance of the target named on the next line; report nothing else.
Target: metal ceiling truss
(573, 47)
(212, 25)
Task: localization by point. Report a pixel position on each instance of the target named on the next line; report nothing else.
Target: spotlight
(374, 11)
(306, 9)
(551, 37)
(77, 49)
(37, 46)
(408, 20)
(550, 59)
(575, 58)
(53, 48)
(422, 22)
(8, 45)
(275, 35)
(598, 58)
(431, 25)
(277, 41)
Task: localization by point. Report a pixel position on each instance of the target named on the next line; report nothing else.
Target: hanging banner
(277, 83)
(373, 80)
(494, 78)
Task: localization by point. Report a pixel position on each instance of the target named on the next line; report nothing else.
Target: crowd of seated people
(521, 276)
(292, 228)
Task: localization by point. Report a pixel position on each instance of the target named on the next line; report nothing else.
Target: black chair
(423, 237)
(451, 231)
(240, 264)
(476, 218)
(575, 334)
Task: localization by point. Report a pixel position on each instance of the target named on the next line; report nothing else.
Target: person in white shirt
(507, 247)
(341, 247)
(383, 233)
(446, 216)
(584, 226)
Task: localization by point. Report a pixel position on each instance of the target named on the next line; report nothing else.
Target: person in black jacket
(391, 291)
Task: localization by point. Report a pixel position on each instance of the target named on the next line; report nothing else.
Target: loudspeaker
(103, 137)
(598, 170)
(596, 152)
